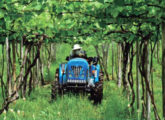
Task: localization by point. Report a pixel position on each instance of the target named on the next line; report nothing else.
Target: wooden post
(147, 68)
(163, 67)
(21, 56)
(112, 62)
(9, 82)
(14, 67)
(137, 78)
(119, 66)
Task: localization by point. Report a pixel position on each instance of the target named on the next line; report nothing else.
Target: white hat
(76, 47)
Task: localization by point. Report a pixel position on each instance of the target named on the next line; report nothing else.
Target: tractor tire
(56, 90)
(97, 92)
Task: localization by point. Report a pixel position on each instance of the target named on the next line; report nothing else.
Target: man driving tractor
(78, 52)
(79, 73)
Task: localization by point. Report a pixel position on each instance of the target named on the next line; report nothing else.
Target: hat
(76, 47)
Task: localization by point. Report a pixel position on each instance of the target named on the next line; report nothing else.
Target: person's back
(77, 52)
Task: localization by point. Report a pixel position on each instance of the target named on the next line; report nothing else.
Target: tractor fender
(62, 73)
(98, 71)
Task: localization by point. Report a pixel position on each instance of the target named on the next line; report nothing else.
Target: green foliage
(63, 20)
(38, 106)
(85, 22)
(114, 105)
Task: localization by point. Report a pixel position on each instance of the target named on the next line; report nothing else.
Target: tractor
(79, 74)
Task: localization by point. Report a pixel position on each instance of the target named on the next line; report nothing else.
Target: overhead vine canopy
(73, 21)
(80, 21)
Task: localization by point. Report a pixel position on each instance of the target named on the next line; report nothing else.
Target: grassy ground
(72, 107)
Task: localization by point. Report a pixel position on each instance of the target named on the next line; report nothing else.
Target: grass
(71, 107)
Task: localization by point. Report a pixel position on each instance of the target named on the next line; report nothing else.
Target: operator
(78, 52)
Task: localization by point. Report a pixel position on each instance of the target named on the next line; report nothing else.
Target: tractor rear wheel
(56, 86)
(97, 93)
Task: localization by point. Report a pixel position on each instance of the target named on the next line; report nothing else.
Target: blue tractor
(79, 74)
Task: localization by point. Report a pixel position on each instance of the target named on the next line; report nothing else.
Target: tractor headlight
(63, 71)
(94, 72)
